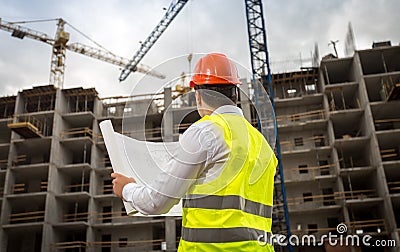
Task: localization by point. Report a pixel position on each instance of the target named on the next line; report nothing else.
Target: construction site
(338, 131)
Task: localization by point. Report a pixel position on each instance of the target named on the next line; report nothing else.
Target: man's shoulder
(201, 129)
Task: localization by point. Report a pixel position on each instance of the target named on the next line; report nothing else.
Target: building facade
(339, 130)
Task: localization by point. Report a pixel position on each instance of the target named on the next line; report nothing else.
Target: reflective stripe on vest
(234, 210)
(222, 235)
(228, 202)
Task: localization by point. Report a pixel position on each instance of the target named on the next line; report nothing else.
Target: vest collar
(228, 109)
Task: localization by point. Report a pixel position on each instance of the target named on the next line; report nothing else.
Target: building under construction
(339, 130)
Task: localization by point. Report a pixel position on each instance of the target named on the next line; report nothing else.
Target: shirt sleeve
(181, 172)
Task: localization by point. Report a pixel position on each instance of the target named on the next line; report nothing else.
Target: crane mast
(261, 69)
(173, 10)
(59, 49)
(60, 45)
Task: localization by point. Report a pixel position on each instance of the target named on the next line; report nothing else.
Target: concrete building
(339, 129)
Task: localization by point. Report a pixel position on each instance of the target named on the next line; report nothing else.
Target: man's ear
(198, 98)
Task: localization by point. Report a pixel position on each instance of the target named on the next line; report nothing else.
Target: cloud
(202, 26)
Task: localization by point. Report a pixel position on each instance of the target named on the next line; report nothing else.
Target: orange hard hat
(215, 68)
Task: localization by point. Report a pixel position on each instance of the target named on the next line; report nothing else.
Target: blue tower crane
(261, 69)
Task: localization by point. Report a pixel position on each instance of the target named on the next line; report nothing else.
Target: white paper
(138, 159)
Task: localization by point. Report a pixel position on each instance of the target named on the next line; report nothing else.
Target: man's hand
(119, 182)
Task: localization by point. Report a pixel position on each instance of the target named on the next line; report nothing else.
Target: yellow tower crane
(60, 45)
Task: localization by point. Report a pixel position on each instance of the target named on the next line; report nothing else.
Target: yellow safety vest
(231, 212)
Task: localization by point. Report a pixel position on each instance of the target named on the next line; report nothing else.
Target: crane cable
(73, 27)
(87, 37)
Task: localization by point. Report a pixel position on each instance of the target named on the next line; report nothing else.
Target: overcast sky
(203, 26)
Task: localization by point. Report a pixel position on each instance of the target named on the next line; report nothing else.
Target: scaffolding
(28, 126)
(24, 217)
(295, 84)
(301, 117)
(129, 245)
(78, 132)
(312, 171)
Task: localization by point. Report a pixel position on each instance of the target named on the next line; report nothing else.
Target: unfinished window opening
(30, 239)
(324, 167)
(333, 222)
(359, 186)
(107, 215)
(312, 228)
(104, 160)
(107, 186)
(80, 99)
(343, 98)
(75, 180)
(295, 84)
(128, 110)
(123, 242)
(384, 60)
(389, 147)
(7, 106)
(29, 126)
(319, 140)
(303, 169)
(385, 117)
(32, 152)
(294, 117)
(329, 197)
(298, 141)
(158, 233)
(394, 186)
(383, 88)
(2, 181)
(27, 211)
(27, 182)
(78, 132)
(39, 99)
(367, 219)
(307, 197)
(291, 92)
(349, 126)
(75, 211)
(77, 152)
(396, 211)
(111, 110)
(311, 88)
(337, 72)
(106, 243)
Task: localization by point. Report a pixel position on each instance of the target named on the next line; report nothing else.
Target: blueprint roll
(140, 160)
(118, 162)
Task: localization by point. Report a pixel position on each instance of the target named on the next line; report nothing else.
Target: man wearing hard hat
(224, 171)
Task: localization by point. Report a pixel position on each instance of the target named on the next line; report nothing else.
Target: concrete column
(170, 233)
(168, 130)
(168, 122)
(382, 188)
(9, 179)
(245, 101)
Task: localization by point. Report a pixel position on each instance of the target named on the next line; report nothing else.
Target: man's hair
(217, 95)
